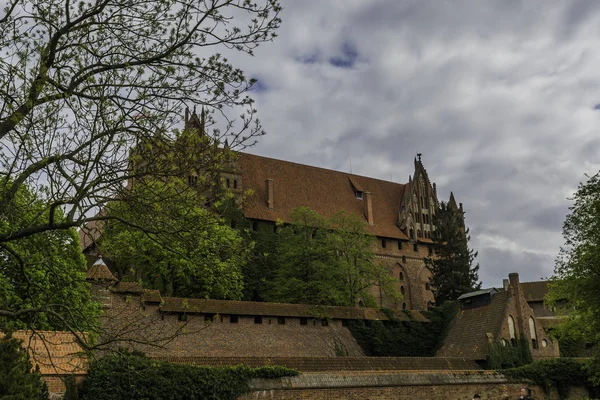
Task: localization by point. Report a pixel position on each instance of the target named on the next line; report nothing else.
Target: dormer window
(358, 194)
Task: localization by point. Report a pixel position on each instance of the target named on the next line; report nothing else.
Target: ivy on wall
(501, 356)
(558, 374)
(395, 338)
(133, 376)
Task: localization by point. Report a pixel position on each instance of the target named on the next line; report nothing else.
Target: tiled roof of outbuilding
(232, 307)
(535, 291)
(323, 190)
(467, 336)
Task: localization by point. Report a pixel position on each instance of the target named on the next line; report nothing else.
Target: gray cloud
(499, 96)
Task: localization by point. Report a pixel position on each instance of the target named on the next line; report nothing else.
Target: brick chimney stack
(515, 296)
(270, 193)
(368, 201)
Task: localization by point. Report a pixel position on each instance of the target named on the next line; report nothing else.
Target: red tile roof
(467, 336)
(228, 307)
(535, 291)
(323, 190)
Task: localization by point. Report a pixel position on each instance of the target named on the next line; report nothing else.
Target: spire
(452, 202)
(202, 122)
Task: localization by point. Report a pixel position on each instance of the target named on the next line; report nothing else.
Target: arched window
(418, 233)
(511, 330)
(402, 289)
(404, 259)
(235, 183)
(425, 219)
(404, 306)
(228, 183)
(401, 276)
(532, 333)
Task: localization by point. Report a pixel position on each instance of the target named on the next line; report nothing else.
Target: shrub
(133, 376)
(17, 379)
(502, 357)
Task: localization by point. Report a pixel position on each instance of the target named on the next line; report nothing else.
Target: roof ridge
(323, 168)
(270, 302)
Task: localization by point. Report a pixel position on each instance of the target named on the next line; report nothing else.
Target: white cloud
(499, 97)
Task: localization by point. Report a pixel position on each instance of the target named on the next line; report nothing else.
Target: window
(412, 234)
(324, 322)
(419, 233)
(228, 183)
(418, 217)
(192, 180)
(401, 276)
(416, 247)
(402, 289)
(425, 218)
(280, 320)
(258, 319)
(359, 195)
(544, 343)
(233, 319)
(303, 321)
(345, 322)
(383, 243)
(209, 317)
(233, 224)
(430, 250)
(404, 306)
(511, 331)
(399, 244)
(255, 226)
(404, 259)
(182, 317)
(533, 333)
(235, 183)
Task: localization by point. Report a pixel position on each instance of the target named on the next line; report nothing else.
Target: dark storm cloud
(498, 96)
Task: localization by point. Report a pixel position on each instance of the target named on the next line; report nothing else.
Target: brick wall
(393, 385)
(223, 338)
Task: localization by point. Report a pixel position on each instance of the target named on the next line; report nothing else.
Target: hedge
(133, 376)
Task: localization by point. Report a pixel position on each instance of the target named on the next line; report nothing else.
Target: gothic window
(404, 306)
(192, 180)
(425, 218)
(412, 234)
(404, 259)
(235, 183)
(418, 233)
(402, 290)
(416, 247)
(532, 333)
(401, 276)
(511, 331)
(228, 183)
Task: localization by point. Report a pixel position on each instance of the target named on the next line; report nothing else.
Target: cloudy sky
(499, 96)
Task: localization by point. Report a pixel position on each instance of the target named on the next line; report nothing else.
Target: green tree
(577, 272)
(173, 243)
(18, 380)
(83, 82)
(327, 262)
(42, 277)
(453, 272)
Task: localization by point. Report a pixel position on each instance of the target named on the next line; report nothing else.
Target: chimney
(505, 284)
(270, 193)
(515, 295)
(368, 201)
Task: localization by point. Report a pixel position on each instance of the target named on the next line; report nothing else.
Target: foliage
(326, 261)
(184, 249)
(133, 376)
(502, 356)
(42, 277)
(83, 82)
(452, 268)
(559, 373)
(71, 388)
(395, 338)
(575, 291)
(17, 380)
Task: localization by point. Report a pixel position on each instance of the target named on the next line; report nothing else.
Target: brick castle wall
(394, 385)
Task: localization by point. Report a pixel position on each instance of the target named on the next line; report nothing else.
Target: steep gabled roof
(535, 291)
(325, 191)
(99, 272)
(468, 334)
